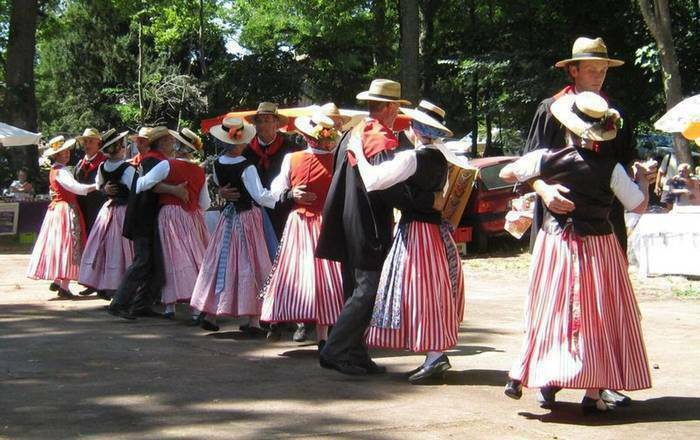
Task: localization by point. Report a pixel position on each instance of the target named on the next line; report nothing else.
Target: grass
(688, 291)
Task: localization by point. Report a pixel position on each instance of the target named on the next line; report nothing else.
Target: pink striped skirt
(247, 266)
(184, 238)
(301, 287)
(430, 309)
(58, 247)
(581, 320)
(107, 253)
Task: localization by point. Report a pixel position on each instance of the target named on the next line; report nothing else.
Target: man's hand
(648, 168)
(110, 189)
(180, 191)
(229, 193)
(301, 196)
(552, 197)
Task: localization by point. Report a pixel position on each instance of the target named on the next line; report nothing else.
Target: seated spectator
(21, 189)
(682, 189)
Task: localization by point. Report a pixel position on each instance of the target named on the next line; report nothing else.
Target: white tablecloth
(666, 244)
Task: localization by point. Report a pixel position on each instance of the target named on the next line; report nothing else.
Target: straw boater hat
(332, 111)
(142, 133)
(157, 133)
(57, 144)
(587, 115)
(429, 114)
(188, 138)
(318, 126)
(111, 142)
(233, 131)
(89, 133)
(107, 134)
(587, 49)
(268, 108)
(383, 90)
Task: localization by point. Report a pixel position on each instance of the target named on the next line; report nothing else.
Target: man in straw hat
(357, 228)
(141, 141)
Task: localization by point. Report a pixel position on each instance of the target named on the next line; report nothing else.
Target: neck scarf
(264, 153)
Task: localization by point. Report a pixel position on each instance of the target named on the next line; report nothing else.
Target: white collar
(228, 160)
(260, 141)
(316, 151)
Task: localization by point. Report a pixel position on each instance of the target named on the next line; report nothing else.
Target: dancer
(420, 301)
(59, 246)
(301, 287)
(181, 227)
(236, 262)
(107, 253)
(582, 320)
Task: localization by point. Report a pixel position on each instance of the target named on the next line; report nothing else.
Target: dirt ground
(69, 370)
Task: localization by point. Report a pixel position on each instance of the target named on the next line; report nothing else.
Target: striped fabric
(582, 322)
(58, 247)
(301, 287)
(247, 265)
(430, 314)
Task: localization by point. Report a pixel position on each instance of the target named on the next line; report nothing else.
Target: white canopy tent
(15, 137)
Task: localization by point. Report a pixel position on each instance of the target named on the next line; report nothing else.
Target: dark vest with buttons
(587, 174)
(232, 174)
(114, 177)
(430, 177)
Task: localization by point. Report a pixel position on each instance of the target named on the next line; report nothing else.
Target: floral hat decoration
(588, 116)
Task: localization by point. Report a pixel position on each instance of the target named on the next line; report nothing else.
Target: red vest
(375, 139)
(316, 172)
(59, 193)
(183, 171)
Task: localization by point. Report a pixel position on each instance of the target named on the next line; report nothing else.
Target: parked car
(484, 215)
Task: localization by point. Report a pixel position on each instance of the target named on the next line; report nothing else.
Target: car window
(489, 176)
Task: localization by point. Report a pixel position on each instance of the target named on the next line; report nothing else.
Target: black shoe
(547, 396)
(299, 334)
(612, 397)
(120, 312)
(342, 367)
(64, 293)
(168, 315)
(54, 287)
(372, 367)
(104, 295)
(209, 326)
(514, 389)
(321, 344)
(435, 369)
(196, 321)
(255, 332)
(274, 333)
(592, 406)
(87, 291)
(146, 312)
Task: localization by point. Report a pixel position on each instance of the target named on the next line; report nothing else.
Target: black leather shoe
(373, 368)
(209, 326)
(120, 313)
(594, 406)
(104, 295)
(87, 291)
(321, 344)
(54, 287)
(146, 313)
(514, 389)
(274, 333)
(64, 293)
(435, 369)
(613, 397)
(547, 396)
(255, 332)
(299, 334)
(196, 321)
(168, 315)
(342, 367)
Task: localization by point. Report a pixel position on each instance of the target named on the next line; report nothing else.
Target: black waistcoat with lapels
(114, 177)
(587, 175)
(232, 174)
(430, 177)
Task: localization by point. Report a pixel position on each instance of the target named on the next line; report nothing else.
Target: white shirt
(251, 181)
(386, 174)
(110, 165)
(159, 173)
(66, 180)
(626, 191)
(282, 182)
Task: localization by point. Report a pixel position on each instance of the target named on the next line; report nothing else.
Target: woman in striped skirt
(420, 301)
(301, 287)
(582, 321)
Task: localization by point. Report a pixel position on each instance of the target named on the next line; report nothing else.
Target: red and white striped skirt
(581, 321)
(247, 267)
(59, 246)
(301, 287)
(107, 253)
(430, 312)
(184, 238)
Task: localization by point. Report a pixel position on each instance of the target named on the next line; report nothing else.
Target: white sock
(254, 321)
(321, 333)
(195, 313)
(64, 284)
(170, 308)
(431, 356)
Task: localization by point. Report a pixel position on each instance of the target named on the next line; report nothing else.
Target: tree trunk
(475, 114)
(202, 59)
(658, 20)
(429, 9)
(410, 29)
(140, 76)
(20, 100)
(381, 50)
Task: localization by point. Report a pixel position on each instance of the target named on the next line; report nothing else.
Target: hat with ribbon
(112, 145)
(58, 144)
(268, 108)
(588, 49)
(188, 138)
(431, 115)
(588, 116)
(318, 126)
(233, 131)
(383, 90)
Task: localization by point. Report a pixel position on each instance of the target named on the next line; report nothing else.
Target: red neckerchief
(269, 151)
(570, 90)
(375, 139)
(154, 154)
(136, 160)
(85, 166)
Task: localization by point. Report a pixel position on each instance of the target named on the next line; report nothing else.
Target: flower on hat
(236, 133)
(324, 133)
(611, 121)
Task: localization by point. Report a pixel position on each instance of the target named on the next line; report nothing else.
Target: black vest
(142, 210)
(114, 177)
(430, 177)
(232, 174)
(587, 175)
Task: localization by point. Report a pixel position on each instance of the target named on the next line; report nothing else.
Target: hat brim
(133, 137)
(562, 109)
(611, 61)
(157, 135)
(82, 138)
(183, 141)
(67, 145)
(367, 96)
(282, 120)
(117, 138)
(220, 133)
(303, 125)
(427, 120)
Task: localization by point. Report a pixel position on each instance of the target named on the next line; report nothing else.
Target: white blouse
(159, 173)
(281, 183)
(251, 181)
(111, 165)
(66, 180)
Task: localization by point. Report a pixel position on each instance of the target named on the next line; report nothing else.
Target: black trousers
(142, 281)
(346, 341)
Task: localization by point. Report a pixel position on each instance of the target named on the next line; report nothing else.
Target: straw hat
(111, 143)
(188, 138)
(89, 133)
(233, 131)
(318, 126)
(142, 134)
(57, 147)
(429, 114)
(107, 134)
(332, 111)
(383, 90)
(587, 115)
(60, 139)
(587, 49)
(268, 108)
(157, 133)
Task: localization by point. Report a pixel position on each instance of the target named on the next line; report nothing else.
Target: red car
(485, 213)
